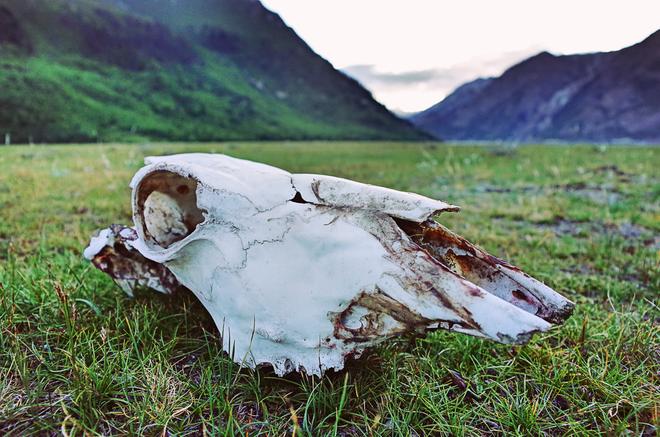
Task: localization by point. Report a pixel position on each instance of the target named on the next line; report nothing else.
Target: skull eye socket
(167, 207)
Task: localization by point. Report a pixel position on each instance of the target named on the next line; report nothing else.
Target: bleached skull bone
(300, 271)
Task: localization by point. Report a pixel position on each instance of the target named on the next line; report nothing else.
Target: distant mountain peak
(542, 55)
(613, 96)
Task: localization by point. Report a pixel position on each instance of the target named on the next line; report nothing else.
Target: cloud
(429, 42)
(415, 90)
(370, 74)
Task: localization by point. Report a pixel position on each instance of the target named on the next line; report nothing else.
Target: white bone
(301, 271)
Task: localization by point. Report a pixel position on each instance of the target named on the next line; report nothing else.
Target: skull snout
(489, 273)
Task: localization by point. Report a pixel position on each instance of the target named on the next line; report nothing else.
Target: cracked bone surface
(301, 271)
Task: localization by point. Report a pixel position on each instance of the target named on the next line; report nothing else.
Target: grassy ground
(78, 356)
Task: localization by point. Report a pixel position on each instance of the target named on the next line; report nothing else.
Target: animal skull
(300, 271)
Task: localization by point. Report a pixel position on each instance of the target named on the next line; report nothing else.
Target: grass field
(77, 356)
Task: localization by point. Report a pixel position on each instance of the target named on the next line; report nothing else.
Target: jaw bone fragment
(301, 271)
(111, 252)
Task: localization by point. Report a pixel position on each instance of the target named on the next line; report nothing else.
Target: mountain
(613, 96)
(194, 70)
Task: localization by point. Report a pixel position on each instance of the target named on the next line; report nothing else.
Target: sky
(411, 53)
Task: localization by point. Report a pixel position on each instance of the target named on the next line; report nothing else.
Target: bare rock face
(300, 271)
(601, 97)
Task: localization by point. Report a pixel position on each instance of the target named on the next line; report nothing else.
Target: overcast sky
(412, 53)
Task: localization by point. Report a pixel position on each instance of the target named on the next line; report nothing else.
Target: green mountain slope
(199, 70)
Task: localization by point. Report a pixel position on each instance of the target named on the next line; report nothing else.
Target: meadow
(77, 356)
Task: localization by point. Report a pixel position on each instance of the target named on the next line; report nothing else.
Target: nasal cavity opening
(168, 207)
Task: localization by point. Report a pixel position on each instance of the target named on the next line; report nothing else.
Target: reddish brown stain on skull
(121, 263)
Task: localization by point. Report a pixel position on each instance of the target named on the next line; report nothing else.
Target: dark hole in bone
(519, 295)
(298, 198)
(167, 204)
(289, 366)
